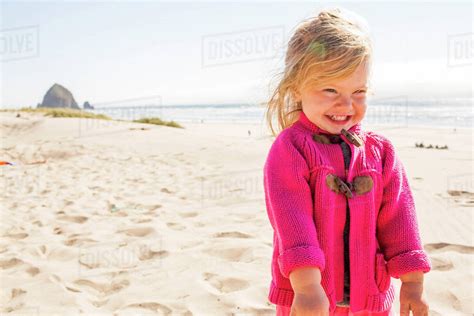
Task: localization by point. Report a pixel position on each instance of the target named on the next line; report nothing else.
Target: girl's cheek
(320, 99)
(360, 101)
(360, 97)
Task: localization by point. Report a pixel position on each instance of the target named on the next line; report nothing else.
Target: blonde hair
(326, 47)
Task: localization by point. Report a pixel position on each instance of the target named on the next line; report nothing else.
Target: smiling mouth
(339, 118)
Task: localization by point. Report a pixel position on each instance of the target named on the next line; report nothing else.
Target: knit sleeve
(397, 227)
(290, 207)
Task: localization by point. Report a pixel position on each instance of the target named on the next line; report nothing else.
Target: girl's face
(337, 104)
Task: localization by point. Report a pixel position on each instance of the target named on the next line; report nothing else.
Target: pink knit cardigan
(384, 240)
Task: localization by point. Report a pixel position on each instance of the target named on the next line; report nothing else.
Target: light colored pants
(340, 311)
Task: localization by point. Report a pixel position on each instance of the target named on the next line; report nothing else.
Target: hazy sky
(215, 52)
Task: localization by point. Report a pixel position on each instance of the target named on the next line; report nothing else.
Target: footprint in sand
(150, 254)
(154, 207)
(17, 292)
(233, 234)
(443, 247)
(225, 284)
(152, 306)
(103, 288)
(10, 263)
(38, 251)
(138, 231)
(165, 190)
(187, 215)
(464, 198)
(142, 220)
(32, 271)
(58, 231)
(441, 264)
(73, 219)
(17, 235)
(234, 254)
(454, 300)
(191, 245)
(62, 254)
(73, 289)
(38, 223)
(175, 226)
(461, 193)
(78, 241)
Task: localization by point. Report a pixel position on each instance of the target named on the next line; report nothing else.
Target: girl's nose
(345, 101)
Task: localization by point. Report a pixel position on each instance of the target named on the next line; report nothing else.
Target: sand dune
(116, 218)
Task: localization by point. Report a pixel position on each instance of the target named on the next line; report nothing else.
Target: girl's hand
(314, 303)
(411, 298)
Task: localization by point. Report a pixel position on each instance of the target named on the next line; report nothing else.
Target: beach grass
(61, 112)
(66, 112)
(158, 121)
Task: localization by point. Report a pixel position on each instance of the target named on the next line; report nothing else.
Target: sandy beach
(117, 218)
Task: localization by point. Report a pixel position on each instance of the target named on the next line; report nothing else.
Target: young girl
(337, 196)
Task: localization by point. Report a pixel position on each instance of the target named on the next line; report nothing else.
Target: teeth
(338, 117)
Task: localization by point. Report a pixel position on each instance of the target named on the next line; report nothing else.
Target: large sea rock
(58, 97)
(87, 106)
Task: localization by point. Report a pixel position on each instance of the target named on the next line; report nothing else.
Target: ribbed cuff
(415, 260)
(301, 256)
(280, 296)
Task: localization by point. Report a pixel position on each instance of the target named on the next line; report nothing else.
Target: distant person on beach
(337, 196)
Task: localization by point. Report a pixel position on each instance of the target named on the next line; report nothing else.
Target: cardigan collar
(353, 134)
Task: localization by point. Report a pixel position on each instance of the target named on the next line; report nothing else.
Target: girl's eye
(330, 90)
(360, 91)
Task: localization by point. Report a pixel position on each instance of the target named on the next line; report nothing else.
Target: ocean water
(391, 112)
